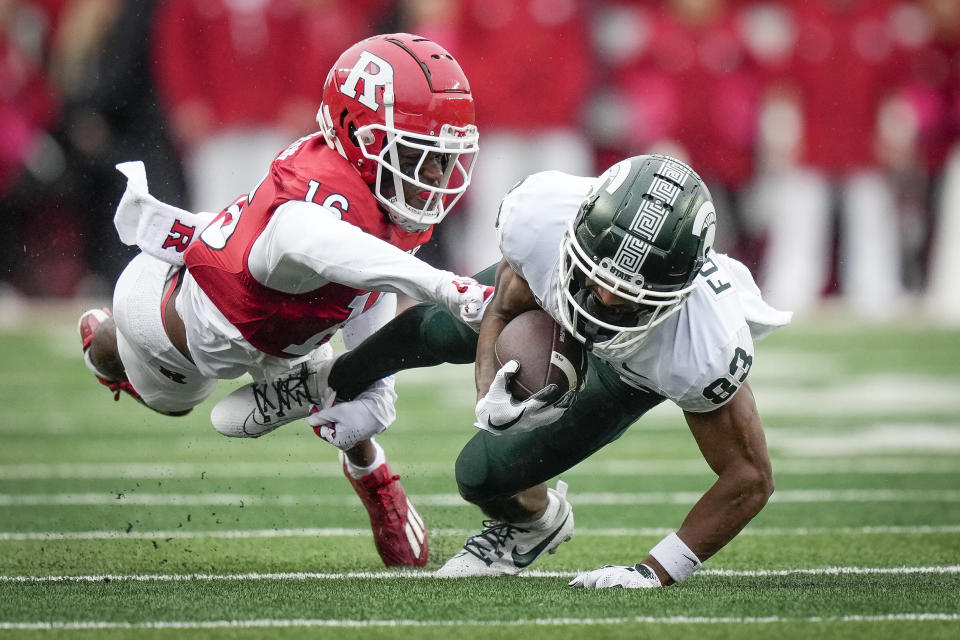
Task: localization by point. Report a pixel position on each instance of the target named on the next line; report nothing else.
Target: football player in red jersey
(324, 242)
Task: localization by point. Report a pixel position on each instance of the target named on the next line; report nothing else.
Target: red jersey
(284, 324)
(523, 53)
(844, 64)
(696, 84)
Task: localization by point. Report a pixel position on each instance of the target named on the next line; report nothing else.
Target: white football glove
(466, 299)
(344, 424)
(499, 412)
(611, 576)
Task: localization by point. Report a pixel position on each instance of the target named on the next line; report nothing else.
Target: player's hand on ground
(344, 424)
(499, 412)
(612, 576)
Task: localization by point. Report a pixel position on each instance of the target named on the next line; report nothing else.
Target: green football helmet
(642, 234)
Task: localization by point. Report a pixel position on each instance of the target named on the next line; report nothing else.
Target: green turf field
(116, 522)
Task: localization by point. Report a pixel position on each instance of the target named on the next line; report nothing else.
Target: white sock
(358, 472)
(546, 520)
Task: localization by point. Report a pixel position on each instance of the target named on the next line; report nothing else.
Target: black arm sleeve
(422, 336)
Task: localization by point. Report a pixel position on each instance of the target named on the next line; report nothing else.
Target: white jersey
(700, 356)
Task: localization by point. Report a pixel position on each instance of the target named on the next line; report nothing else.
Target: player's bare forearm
(485, 367)
(732, 442)
(511, 298)
(725, 509)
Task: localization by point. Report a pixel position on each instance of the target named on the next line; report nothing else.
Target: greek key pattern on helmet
(650, 217)
(674, 171)
(646, 224)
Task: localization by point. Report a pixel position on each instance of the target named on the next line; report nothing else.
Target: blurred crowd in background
(827, 130)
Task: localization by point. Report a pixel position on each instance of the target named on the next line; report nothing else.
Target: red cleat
(88, 324)
(398, 530)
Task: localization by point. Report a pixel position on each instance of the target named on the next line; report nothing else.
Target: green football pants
(491, 467)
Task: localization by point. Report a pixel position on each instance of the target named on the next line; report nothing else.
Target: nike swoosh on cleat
(523, 560)
(505, 425)
(252, 419)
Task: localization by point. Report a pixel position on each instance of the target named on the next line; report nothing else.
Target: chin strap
(595, 334)
(404, 223)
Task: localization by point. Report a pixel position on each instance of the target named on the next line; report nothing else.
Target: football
(546, 352)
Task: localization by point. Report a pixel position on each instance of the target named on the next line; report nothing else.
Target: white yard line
(424, 574)
(928, 464)
(875, 439)
(199, 471)
(334, 532)
(883, 394)
(454, 500)
(817, 466)
(534, 622)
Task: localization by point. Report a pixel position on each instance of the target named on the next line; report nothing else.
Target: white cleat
(258, 408)
(504, 549)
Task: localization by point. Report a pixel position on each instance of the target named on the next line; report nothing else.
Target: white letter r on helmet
(380, 77)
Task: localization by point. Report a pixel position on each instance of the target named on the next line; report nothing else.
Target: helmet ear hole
(352, 133)
(350, 127)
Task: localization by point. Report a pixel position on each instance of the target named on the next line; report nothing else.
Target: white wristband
(675, 557)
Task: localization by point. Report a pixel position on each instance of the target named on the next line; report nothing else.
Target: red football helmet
(393, 102)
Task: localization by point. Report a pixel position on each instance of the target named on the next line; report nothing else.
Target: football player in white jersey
(625, 263)
(324, 242)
